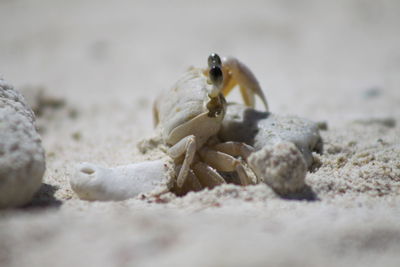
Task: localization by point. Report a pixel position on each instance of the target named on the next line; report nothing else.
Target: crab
(187, 117)
(205, 137)
(190, 114)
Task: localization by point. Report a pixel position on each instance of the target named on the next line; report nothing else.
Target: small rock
(281, 166)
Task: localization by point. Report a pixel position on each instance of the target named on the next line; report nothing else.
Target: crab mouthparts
(216, 105)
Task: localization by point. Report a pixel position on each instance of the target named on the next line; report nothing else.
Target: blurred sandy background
(105, 61)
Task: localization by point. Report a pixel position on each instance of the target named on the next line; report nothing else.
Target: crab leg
(237, 73)
(224, 162)
(192, 183)
(235, 149)
(185, 146)
(207, 176)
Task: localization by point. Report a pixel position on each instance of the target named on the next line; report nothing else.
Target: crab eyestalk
(217, 103)
(214, 59)
(215, 74)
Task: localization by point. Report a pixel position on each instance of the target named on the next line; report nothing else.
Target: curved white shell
(94, 182)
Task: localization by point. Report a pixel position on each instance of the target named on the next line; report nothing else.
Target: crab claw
(236, 73)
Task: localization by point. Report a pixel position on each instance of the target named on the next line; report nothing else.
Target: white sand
(333, 61)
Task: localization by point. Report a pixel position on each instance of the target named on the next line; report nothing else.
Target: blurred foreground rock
(22, 159)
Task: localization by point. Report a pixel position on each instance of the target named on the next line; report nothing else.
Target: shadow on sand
(44, 198)
(307, 194)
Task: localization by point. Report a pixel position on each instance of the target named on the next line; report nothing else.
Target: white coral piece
(94, 182)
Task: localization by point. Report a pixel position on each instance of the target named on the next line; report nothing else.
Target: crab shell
(184, 110)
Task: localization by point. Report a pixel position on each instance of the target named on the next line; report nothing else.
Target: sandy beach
(91, 71)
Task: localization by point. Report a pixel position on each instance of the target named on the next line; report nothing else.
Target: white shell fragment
(260, 129)
(281, 166)
(94, 182)
(22, 160)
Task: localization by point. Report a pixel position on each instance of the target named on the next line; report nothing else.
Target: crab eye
(214, 60)
(216, 75)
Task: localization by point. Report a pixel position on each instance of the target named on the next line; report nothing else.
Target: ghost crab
(204, 138)
(190, 114)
